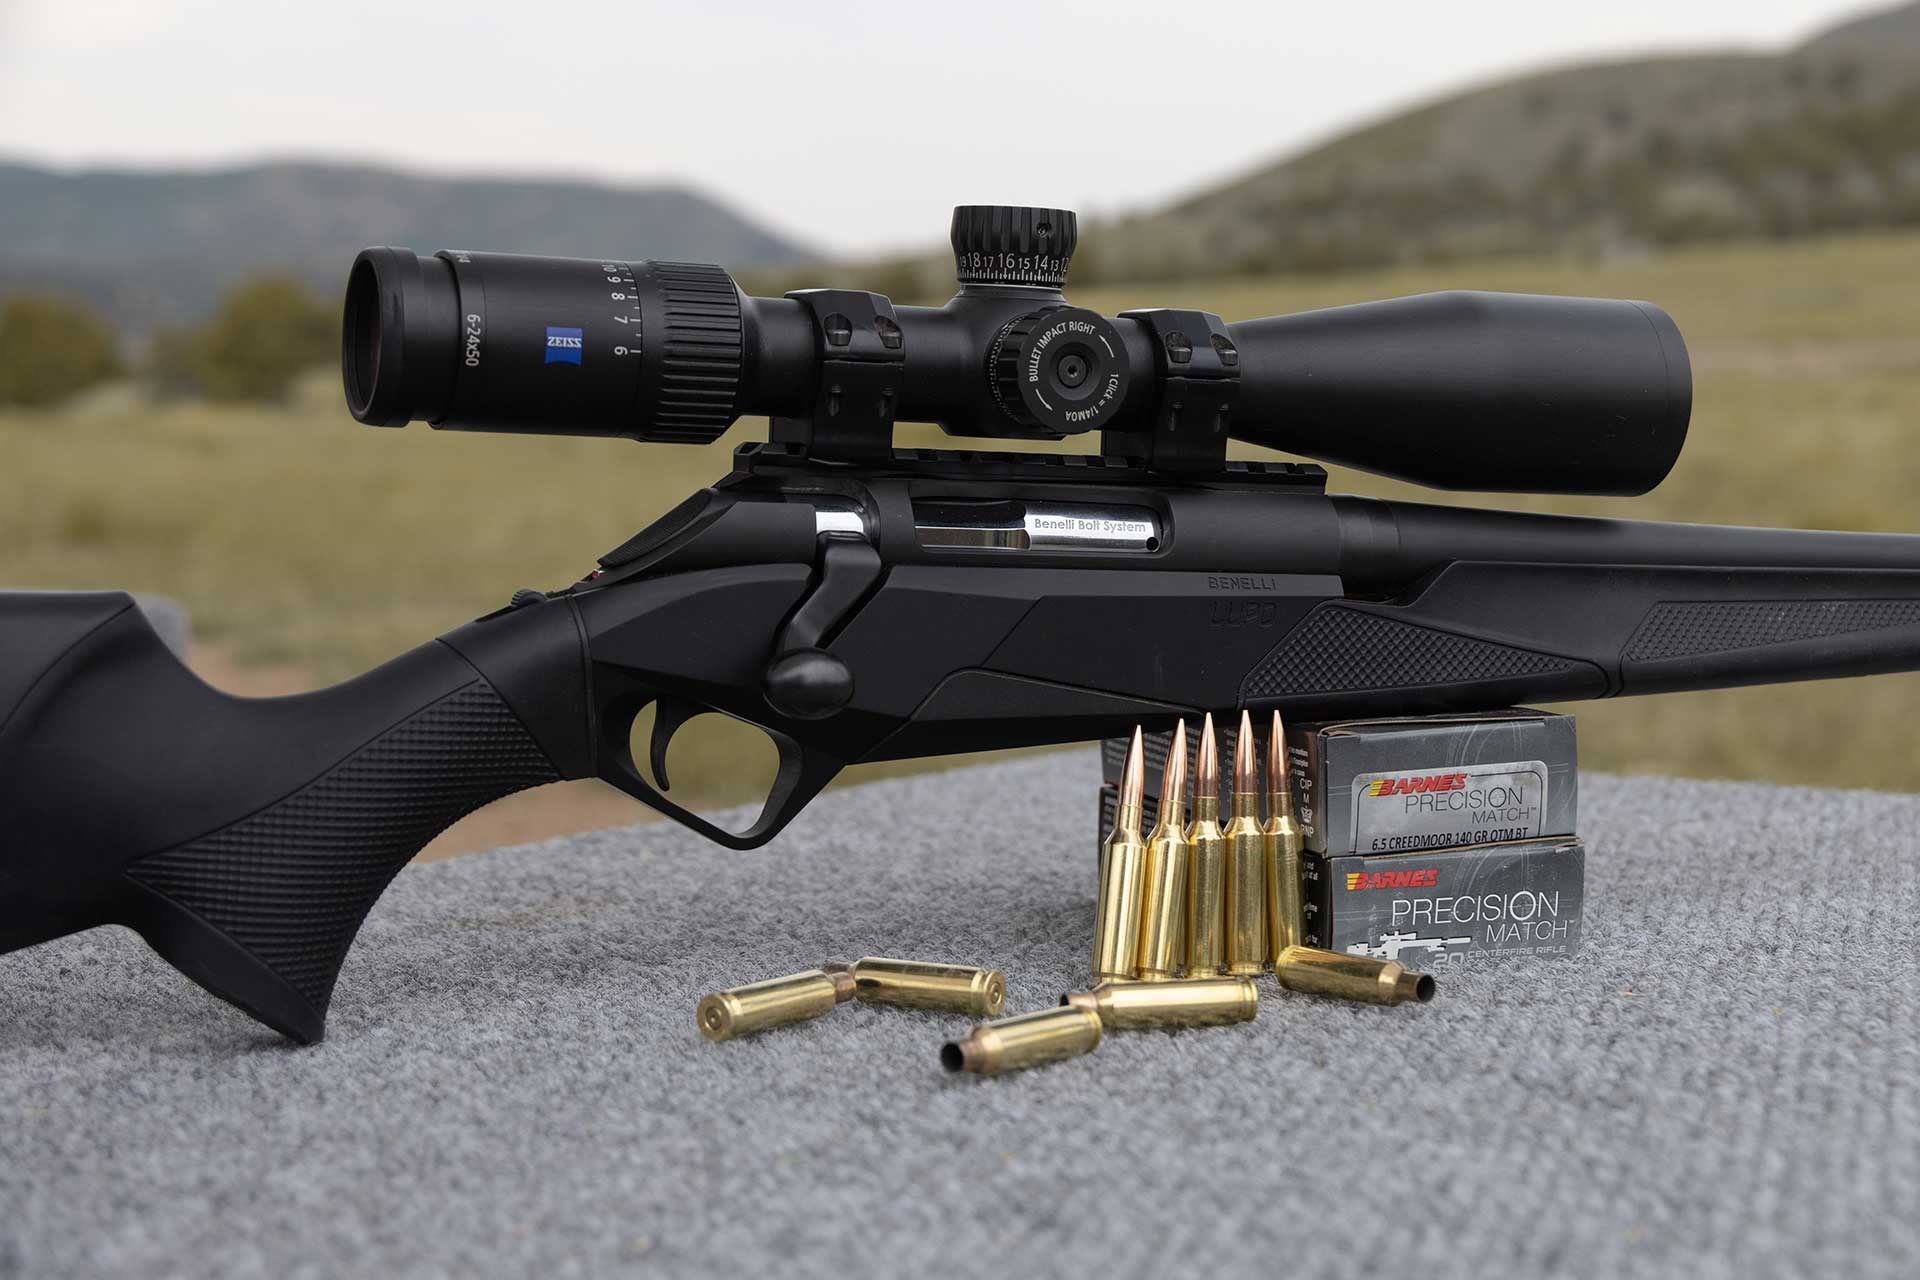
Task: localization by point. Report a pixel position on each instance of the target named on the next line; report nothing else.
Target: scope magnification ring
(1060, 369)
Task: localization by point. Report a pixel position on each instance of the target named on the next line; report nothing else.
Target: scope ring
(1060, 369)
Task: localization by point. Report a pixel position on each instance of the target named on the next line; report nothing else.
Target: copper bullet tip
(1246, 774)
(1173, 782)
(1133, 778)
(1206, 783)
(1277, 757)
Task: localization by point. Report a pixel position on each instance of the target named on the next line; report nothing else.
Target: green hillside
(154, 247)
(1593, 159)
(1598, 161)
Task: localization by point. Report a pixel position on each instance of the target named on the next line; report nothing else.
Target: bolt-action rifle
(858, 602)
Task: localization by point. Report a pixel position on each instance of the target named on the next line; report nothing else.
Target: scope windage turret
(1484, 391)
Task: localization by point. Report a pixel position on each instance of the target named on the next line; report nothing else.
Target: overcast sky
(851, 124)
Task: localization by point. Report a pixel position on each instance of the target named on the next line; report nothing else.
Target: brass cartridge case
(1246, 870)
(1116, 920)
(1206, 944)
(741, 1011)
(1024, 1041)
(1285, 922)
(1163, 900)
(947, 988)
(1345, 977)
(1198, 1002)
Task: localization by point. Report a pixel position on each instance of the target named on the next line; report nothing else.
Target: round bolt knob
(808, 684)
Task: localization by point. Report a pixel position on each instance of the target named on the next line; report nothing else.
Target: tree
(266, 334)
(51, 349)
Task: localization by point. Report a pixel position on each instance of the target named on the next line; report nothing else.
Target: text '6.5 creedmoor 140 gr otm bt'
(858, 602)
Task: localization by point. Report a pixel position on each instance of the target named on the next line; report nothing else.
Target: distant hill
(150, 248)
(1590, 160)
(1598, 158)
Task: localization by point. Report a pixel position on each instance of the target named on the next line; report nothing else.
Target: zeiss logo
(563, 345)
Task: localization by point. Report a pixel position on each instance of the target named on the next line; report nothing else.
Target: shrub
(266, 334)
(51, 349)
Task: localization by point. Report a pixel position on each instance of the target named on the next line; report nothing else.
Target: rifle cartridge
(1024, 1041)
(1116, 921)
(1246, 872)
(945, 988)
(1197, 1002)
(1348, 977)
(1206, 865)
(757, 1006)
(1164, 899)
(1283, 844)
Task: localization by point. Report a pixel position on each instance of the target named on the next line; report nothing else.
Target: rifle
(858, 602)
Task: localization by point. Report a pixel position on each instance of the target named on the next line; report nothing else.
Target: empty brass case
(1163, 899)
(1116, 920)
(1024, 1041)
(1345, 977)
(777, 1001)
(1246, 872)
(1197, 1002)
(949, 988)
(1285, 923)
(1206, 945)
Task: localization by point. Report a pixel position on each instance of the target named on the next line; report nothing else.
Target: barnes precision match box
(1434, 782)
(1421, 782)
(1466, 905)
(1449, 907)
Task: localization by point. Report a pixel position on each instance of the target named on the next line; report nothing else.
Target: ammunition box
(1416, 782)
(1433, 782)
(1449, 907)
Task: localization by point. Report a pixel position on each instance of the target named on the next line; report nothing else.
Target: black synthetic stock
(245, 839)
(1483, 635)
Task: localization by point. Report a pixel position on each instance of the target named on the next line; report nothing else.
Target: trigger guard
(803, 771)
(802, 775)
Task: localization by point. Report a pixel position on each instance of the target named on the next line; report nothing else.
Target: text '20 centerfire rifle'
(857, 602)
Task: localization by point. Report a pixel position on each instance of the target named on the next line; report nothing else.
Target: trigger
(668, 715)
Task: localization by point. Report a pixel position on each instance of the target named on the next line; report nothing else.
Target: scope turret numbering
(997, 244)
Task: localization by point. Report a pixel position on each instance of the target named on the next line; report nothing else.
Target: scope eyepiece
(399, 337)
(550, 346)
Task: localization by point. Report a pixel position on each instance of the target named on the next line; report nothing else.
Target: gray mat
(1723, 1085)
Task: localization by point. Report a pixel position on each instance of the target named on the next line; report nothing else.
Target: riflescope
(1457, 390)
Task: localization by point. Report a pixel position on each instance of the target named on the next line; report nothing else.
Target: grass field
(295, 536)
